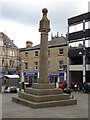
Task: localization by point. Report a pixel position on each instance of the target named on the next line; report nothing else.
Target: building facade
(57, 60)
(79, 57)
(9, 56)
(76, 65)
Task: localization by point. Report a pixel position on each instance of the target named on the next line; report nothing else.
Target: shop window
(26, 78)
(61, 78)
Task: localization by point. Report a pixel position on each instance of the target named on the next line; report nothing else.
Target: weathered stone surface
(36, 105)
(43, 98)
(40, 92)
(43, 86)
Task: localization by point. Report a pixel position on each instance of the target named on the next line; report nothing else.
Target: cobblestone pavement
(14, 110)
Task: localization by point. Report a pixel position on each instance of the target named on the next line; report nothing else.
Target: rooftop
(9, 42)
(55, 42)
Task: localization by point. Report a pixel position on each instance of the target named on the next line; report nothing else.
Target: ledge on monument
(43, 86)
(40, 92)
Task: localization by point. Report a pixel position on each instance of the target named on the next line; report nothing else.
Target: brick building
(57, 60)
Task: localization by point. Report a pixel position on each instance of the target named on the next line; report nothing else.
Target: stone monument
(44, 28)
(43, 94)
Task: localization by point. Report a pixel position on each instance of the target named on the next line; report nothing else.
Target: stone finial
(44, 11)
(44, 25)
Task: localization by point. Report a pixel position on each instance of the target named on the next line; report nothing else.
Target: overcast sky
(19, 19)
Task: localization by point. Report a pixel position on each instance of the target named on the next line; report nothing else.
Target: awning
(11, 76)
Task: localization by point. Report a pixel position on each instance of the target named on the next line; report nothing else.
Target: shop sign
(61, 74)
(53, 74)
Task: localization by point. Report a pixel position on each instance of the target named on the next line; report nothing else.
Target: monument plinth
(44, 94)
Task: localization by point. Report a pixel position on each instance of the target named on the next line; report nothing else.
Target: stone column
(44, 28)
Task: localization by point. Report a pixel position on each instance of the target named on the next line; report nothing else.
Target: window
(61, 51)
(3, 63)
(3, 52)
(10, 63)
(11, 53)
(1, 42)
(26, 54)
(48, 52)
(61, 78)
(26, 66)
(36, 53)
(60, 65)
(13, 63)
(0, 62)
(48, 65)
(36, 65)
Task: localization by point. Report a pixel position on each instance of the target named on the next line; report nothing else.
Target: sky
(19, 19)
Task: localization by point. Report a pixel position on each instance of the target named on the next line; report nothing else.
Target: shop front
(11, 72)
(54, 77)
(2, 73)
(30, 76)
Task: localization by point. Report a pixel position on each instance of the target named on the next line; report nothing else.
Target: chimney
(51, 36)
(29, 44)
(57, 34)
(61, 35)
(67, 36)
(13, 41)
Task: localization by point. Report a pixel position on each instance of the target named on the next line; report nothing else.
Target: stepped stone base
(43, 95)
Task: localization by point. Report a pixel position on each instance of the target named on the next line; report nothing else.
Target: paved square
(14, 110)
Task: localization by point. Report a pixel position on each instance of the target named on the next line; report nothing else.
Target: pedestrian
(65, 84)
(62, 85)
(85, 87)
(75, 87)
(30, 82)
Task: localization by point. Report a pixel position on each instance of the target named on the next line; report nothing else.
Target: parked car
(11, 89)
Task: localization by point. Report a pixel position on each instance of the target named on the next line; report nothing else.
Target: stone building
(57, 60)
(9, 56)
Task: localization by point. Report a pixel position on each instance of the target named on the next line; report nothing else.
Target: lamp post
(84, 54)
(20, 72)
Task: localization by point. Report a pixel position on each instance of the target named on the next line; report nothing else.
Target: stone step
(43, 98)
(36, 105)
(40, 92)
(43, 86)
